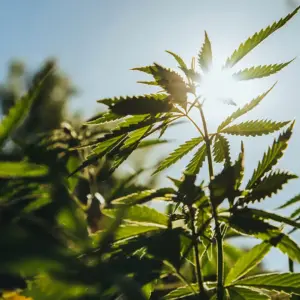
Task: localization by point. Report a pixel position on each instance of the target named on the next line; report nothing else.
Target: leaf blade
(256, 39)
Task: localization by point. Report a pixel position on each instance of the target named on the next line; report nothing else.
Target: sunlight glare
(218, 85)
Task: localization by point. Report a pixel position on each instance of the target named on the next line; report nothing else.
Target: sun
(218, 84)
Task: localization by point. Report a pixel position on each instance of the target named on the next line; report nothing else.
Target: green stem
(219, 238)
(197, 256)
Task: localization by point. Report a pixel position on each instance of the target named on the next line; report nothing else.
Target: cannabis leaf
(205, 55)
(138, 105)
(254, 128)
(145, 196)
(196, 163)
(260, 71)
(256, 39)
(221, 149)
(247, 262)
(268, 185)
(241, 111)
(284, 282)
(241, 293)
(178, 153)
(271, 157)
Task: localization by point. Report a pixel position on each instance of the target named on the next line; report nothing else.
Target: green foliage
(71, 228)
(179, 153)
(256, 39)
(260, 71)
(285, 282)
(247, 262)
(254, 128)
(271, 157)
(205, 55)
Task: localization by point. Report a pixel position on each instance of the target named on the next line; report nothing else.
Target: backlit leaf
(259, 71)
(247, 262)
(178, 153)
(197, 161)
(241, 111)
(256, 39)
(254, 128)
(271, 157)
(21, 169)
(283, 282)
(205, 55)
(141, 214)
(241, 293)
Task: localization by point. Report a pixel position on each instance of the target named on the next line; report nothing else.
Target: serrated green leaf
(104, 147)
(259, 71)
(171, 82)
(240, 293)
(245, 222)
(136, 135)
(178, 153)
(104, 118)
(145, 196)
(18, 112)
(182, 292)
(268, 215)
(267, 186)
(197, 161)
(256, 39)
(247, 262)
(271, 157)
(146, 69)
(180, 62)
(284, 282)
(241, 111)
(139, 105)
(21, 169)
(254, 128)
(221, 149)
(141, 214)
(205, 55)
(290, 202)
(226, 184)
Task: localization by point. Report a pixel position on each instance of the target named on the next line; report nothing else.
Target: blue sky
(98, 41)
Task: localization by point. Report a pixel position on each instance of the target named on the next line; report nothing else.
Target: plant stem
(196, 250)
(219, 238)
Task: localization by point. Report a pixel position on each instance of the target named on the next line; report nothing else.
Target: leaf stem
(196, 250)
(219, 238)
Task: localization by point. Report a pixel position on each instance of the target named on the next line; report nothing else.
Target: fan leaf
(145, 196)
(140, 214)
(197, 161)
(205, 55)
(267, 186)
(139, 105)
(259, 71)
(18, 112)
(247, 262)
(241, 111)
(221, 149)
(290, 202)
(284, 282)
(240, 293)
(178, 153)
(254, 128)
(256, 39)
(271, 157)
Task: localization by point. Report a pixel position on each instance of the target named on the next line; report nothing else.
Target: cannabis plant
(64, 237)
(198, 213)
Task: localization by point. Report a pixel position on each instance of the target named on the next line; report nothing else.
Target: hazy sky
(98, 41)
